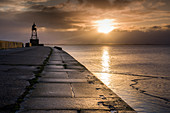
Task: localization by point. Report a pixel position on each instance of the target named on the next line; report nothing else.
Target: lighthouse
(34, 38)
(34, 41)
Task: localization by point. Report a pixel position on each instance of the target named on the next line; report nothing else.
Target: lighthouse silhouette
(34, 39)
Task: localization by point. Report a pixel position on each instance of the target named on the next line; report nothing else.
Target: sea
(139, 74)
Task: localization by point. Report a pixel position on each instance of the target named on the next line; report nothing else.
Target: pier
(49, 80)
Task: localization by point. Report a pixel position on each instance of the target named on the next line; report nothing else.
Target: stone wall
(10, 44)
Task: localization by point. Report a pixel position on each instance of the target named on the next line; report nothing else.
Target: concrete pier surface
(63, 85)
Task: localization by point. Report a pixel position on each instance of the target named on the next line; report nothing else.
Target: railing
(10, 44)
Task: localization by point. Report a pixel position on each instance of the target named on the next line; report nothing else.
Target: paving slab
(95, 111)
(60, 75)
(9, 67)
(63, 103)
(104, 111)
(54, 80)
(52, 90)
(34, 56)
(74, 67)
(10, 90)
(53, 67)
(67, 57)
(62, 70)
(80, 75)
(49, 111)
(87, 90)
(12, 84)
(53, 62)
(71, 62)
(55, 57)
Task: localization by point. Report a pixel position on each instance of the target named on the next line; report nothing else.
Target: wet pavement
(17, 67)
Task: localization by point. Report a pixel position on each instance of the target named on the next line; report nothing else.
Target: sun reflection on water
(105, 76)
(105, 60)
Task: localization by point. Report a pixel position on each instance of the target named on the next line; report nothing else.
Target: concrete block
(52, 80)
(86, 90)
(52, 90)
(11, 87)
(80, 75)
(55, 62)
(55, 57)
(61, 70)
(54, 67)
(95, 111)
(74, 67)
(63, 103)
(48, 111)
(56, 75)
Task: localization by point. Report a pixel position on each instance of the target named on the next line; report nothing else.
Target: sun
(105, 26)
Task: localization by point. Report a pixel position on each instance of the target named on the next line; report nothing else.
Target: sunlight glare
(105, 26)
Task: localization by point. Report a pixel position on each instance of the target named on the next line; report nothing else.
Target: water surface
(139, 74)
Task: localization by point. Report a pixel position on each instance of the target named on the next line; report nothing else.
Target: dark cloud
(107, 4)
(99, 3)
(156, 27)
(139, 37)
(50, 17)
(167, 26)
(119, 4)
(6, 1)
(80, 1)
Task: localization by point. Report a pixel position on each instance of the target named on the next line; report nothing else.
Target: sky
(76, 21)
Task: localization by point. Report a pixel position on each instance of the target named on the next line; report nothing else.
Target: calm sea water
(139, 74)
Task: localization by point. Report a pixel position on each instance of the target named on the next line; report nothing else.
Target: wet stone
(71, 63)
(60, 75)
(52, 90)
(53, 67)
(80, 75)
(23, 60)
(60, 70)
(63, 103)
(53, 80)
(48, 111)
(11, 87)
(55, 57)
(74, 67)
(55, 62)
(7, 68)
(87, 90)
(95, 111)
(17, 67)
(123, 111)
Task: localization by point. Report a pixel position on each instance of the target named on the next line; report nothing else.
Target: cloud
(167, 26)
(156, 28)
(51, 17)
(37, 1)
(108, 4)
